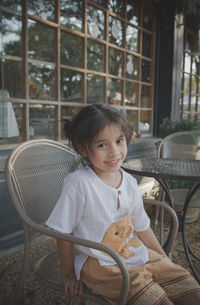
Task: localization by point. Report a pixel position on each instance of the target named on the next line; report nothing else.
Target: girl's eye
(120, 140)
(102, 145)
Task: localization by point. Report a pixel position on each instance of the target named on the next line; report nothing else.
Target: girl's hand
(72, 286)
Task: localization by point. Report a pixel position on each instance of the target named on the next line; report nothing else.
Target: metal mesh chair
(34, 173)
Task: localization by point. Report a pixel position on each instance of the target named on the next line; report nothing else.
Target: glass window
(10, 120)
(132, 117)
(133, 11)
(11, 77)
(41, 41)
(115, 62)
(145, 122)
(10, 34)
(42, 121)
(146, 45)
(41, 81)
(71, 50)
(114, 91)
(116, 6)
(71, 14)
(146, 97)
(131, 94)
(95, 22)
(115, 31)
(132, 67)
(95, 89)
(132, 39)
(95, 56)
(146, 70)
(42, 8)
(71, 86)
(187, 61)
(15, 5)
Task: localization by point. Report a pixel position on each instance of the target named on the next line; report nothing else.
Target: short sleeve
(67, 213)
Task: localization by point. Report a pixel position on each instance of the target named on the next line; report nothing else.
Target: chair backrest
(182, 144)
(35, 173)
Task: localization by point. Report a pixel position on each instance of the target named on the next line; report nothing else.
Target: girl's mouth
(112, 163)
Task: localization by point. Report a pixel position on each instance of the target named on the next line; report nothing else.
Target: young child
(101, 202)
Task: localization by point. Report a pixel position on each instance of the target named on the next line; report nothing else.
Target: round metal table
(163, 169)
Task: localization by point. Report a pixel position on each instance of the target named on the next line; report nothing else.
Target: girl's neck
(112, 179)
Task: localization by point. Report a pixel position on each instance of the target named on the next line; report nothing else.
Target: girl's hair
(90, 121)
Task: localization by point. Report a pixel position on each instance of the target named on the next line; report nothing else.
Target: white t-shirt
(88, 208)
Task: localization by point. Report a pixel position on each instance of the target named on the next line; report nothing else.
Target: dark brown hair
(90, 120)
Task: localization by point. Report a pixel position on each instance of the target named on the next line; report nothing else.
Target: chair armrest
(90, 244)
(169, 244)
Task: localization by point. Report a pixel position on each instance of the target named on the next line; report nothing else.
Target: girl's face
(109, 150)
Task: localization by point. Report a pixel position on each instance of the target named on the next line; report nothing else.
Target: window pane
(95, 22)
(11, 77)
(114, 91)
(148, 14)
(145, 122)
(10, 120)
(95, 56)
(187, 66)
(15, 5)
(132, 66)
(41, 41)
(71, 14)
(146, 45)
(132, 117)
(146, 71)
(100, 2)
(71, 50)
(10, 34)
(95, 89)
(146, 97)
(132, 38)
(41, 82)
(67, 114)
(115, 62)
(71, 86)
(116, 6)
(42, 8)
(131, 94)
(42, 121)
(133, 11)
(115, 31)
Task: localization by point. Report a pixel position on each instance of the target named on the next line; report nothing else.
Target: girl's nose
(113, 150)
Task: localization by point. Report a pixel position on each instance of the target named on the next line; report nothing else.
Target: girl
(101, 202)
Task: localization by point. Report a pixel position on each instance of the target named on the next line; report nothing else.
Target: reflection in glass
(41, 123)
(193, 104)
(195, 65)
(41, 41)
(100, 2)
(44, 9)
(146, 97)
(132, 38)
(10, 34)
(186, 84)
(95, 56)
(41, 81)
(132, 69)
(148, 15)
(189, 43)
(95, 22)
(11, 77)
(10, 120)
(187, 66)
(71, 50)
(116, 6)
(15, 5)
(133, 11)
(115, 31)
(95, 89)
(115, 62)
(67, 113)
(145, 122)
(193, 85)
(146, 45)
(146, 71)
(114, 91)
(131, 94)
(71, 14)
(70, 86)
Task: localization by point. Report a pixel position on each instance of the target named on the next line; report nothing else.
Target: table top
(164, 168)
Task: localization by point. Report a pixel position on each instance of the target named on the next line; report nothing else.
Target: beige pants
(149, 284)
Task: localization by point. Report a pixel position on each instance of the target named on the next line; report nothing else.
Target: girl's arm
(149, 239)
(73, 287)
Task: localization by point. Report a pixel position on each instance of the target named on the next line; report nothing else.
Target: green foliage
(168, 126)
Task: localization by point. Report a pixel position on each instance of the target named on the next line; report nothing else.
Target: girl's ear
(83, 152)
